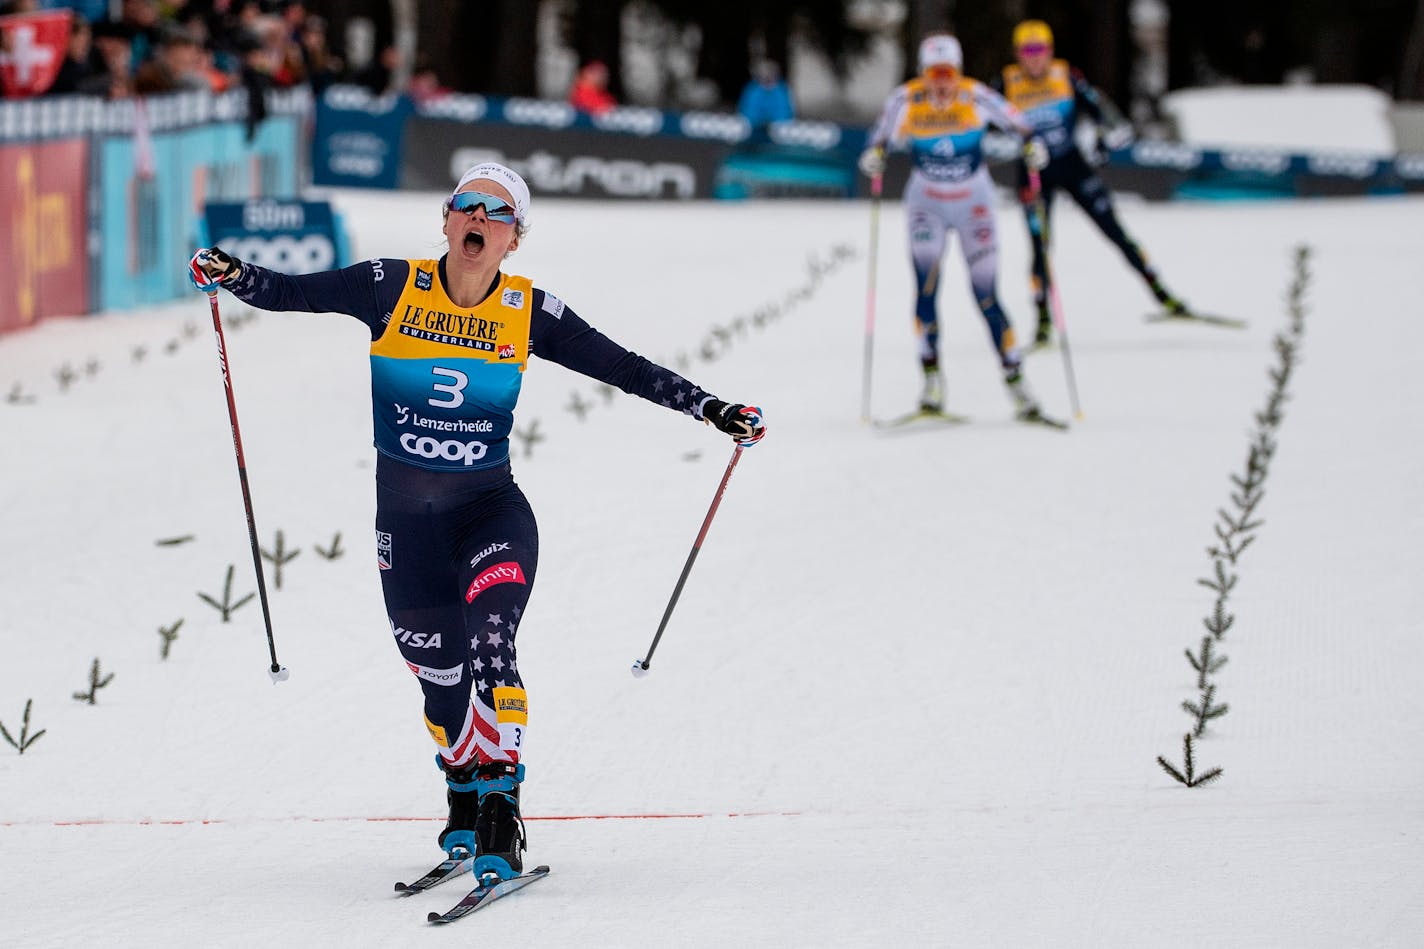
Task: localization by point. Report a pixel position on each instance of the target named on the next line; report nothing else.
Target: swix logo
(418, 640)
(450, 676)
(507, 572)
(506, 351)
(453, 450)
(491, 549)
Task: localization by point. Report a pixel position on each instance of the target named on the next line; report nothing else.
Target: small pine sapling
(96, 682)
(1206, 663)
(227, 607)
(169, 633)
(279, 558)
(1204, 711)
(333, 551)
(26, 739)
(1188, 775)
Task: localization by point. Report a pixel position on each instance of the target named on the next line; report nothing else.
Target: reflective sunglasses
(495, 207)
(941, 72)
(1033, 49)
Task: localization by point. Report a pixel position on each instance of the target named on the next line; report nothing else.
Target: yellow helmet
(1032, 32)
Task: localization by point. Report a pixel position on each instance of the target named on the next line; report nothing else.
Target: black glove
(743, 422)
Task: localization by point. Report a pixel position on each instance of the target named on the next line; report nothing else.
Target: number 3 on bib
(455, 390)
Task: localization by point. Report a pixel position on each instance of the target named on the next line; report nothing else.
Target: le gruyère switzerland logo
(40, 225)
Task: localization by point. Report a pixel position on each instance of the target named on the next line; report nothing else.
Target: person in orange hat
(1052, 95)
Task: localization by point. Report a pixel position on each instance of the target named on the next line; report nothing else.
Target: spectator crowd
(142, 47)
(180, 45)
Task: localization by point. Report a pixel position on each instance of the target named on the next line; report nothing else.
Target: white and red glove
(211, 268)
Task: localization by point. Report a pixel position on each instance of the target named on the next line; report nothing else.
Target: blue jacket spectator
(766, 97)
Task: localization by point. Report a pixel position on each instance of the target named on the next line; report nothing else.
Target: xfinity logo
(507, 572)
(621, 178)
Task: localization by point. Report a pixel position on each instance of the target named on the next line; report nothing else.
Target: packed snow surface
(916, 684)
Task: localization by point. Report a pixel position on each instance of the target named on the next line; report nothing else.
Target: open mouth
(474, 242)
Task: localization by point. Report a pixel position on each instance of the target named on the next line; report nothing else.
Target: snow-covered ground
(916, 684)
(1331, 118)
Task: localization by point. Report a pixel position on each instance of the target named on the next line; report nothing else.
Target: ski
(922, 415)
(486, 893)
(1035, 417)
(1191, 316)
(445, 870)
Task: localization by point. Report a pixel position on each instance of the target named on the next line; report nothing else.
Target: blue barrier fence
(555, 145)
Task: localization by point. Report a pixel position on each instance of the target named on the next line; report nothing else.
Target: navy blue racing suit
(457, 543)
(1053, 104)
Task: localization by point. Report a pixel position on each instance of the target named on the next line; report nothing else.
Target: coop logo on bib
(507, 572)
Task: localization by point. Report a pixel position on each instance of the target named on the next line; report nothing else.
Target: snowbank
(1294, 118)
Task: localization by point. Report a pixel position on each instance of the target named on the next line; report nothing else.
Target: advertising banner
(43, 220)
(32, 48)
(566, 163)
(292, 237)
(358, 138)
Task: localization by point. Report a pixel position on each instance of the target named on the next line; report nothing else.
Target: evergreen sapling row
(1236, 532)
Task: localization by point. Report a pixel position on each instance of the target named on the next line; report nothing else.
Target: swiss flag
(33, 48)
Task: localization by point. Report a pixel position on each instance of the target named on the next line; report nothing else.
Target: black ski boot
(464, 800)
(1171, 304)
(1043, 335)
(932, 393)
(499, 828)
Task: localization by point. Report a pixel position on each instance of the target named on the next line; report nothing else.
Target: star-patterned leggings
(457, 554)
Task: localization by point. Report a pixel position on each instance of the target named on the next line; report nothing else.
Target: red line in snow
(178, 822)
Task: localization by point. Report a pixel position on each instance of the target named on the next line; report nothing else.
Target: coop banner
(42, 232)
(293, 237)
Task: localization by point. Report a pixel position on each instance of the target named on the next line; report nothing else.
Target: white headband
(493, 171)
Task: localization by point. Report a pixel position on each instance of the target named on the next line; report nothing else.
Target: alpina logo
(507, 572)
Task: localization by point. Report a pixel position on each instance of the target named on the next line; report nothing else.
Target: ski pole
(640, 666)
(876, 183)
(277, 671)
(1054, 302)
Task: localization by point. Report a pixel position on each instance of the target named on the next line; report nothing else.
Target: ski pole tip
(640, 668)
(278, 674)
